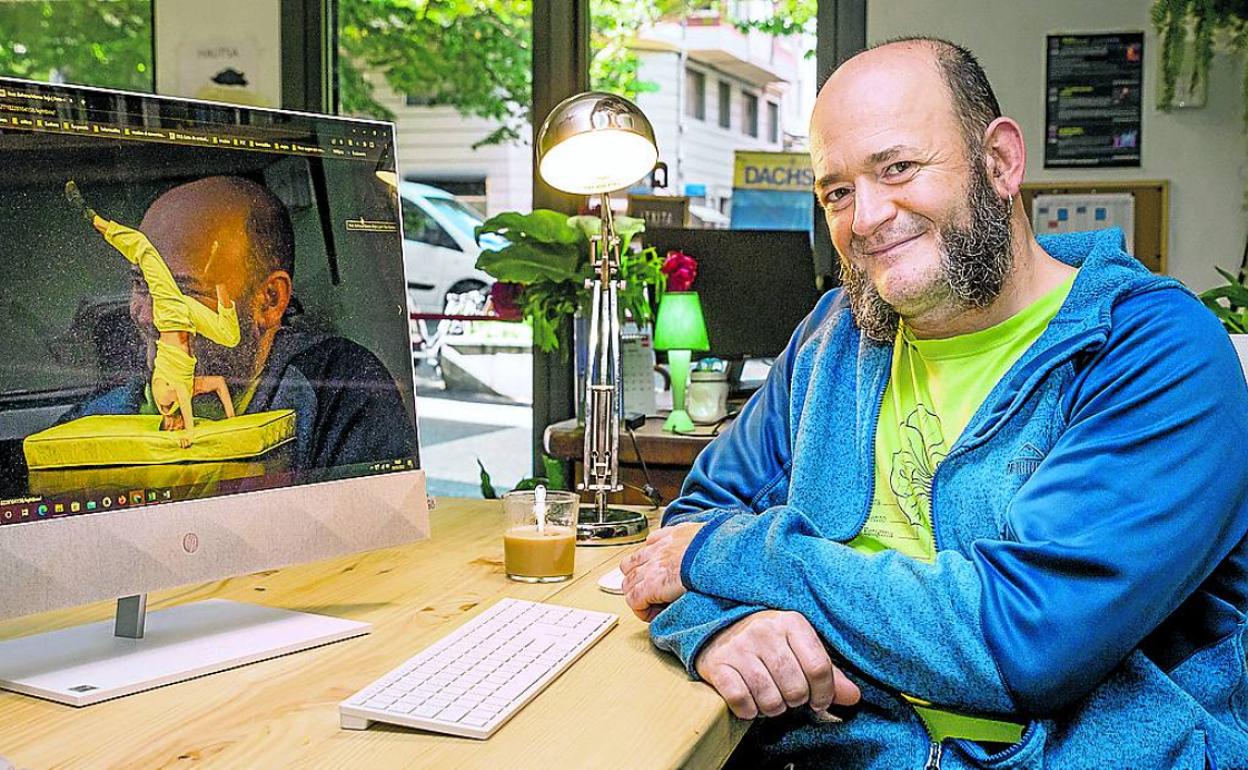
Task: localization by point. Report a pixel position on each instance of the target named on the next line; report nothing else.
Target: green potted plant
(1229, 302)
(1198, 28)
(542, 270)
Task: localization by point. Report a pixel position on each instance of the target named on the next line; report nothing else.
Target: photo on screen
(196, 300)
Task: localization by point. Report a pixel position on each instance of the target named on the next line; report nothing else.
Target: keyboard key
(452, 713)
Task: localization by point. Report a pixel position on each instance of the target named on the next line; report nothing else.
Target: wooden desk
(668, 456)
(624, 704)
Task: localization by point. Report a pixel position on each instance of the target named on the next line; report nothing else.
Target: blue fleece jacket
(1091, 576)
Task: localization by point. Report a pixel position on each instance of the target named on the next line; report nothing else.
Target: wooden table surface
(623, 705)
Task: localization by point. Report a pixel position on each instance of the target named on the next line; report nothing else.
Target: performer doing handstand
(177, 318)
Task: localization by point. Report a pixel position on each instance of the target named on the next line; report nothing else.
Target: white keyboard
(476, 678)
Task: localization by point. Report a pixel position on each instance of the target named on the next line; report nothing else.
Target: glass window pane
(105, 43)
(730, 101)
(695, 94)
(455, 79)
(751, 114)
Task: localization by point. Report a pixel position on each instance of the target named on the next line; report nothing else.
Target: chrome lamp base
(612, 526)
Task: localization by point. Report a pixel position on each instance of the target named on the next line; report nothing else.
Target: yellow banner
(788, 171)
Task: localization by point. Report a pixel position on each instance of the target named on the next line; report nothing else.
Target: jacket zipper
(871, 431)
(960, 447)
(934, 753)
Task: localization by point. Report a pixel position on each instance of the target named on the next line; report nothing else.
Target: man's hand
(652, 573)
(772, 661)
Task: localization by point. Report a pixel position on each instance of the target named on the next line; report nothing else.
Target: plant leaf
(487, 487)
(531, 483)
(530, 261)
(541, 225)
(554, 471)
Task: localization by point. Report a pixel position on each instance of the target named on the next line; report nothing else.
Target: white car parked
(439, 251)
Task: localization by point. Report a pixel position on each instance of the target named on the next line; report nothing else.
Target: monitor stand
(90, 663)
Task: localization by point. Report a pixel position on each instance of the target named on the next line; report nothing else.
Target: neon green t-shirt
(933, 390)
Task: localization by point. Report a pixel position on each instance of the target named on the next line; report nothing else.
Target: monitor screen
(756, 286)
(195, 300)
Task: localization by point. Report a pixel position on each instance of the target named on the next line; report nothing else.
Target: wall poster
(1094, 94)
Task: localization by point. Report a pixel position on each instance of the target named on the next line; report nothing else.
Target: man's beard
(236, 364)
(975, 261)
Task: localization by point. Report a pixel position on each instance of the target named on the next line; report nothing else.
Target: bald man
(982, 514)
(229, 237)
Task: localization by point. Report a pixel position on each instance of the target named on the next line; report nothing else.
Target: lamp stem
(603, 383)
(678, 366)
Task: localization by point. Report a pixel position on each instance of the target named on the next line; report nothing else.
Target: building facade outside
(718, 90)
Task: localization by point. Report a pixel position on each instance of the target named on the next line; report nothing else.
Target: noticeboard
(1093, 97)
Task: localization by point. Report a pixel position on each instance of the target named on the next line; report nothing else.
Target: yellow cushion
(136, 439)
(195, 480)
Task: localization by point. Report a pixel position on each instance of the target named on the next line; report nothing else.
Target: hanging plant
(1204, 26)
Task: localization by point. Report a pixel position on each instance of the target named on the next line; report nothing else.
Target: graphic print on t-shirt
(913, 466)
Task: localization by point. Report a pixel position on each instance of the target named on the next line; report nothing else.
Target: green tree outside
(473, 55)
(105, 43)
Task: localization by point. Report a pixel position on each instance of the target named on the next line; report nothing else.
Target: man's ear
(272, 297)
(1005, 156)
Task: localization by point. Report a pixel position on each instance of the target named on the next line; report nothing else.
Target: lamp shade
(680, 325)
(594, 143)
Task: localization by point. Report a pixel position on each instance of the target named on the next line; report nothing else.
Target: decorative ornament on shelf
(680, 330)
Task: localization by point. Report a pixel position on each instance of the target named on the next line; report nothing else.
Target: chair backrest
(1240, 341)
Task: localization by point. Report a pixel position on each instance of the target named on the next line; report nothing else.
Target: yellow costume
(173, 311)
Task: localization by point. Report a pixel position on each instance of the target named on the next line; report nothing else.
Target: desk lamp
(679, 330)
(591, 144)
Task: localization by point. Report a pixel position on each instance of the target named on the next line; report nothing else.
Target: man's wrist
(695, 545)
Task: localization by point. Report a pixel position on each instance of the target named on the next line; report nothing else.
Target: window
(79, 41)
(695, 94)
(773, 122)
(419, 226)
(725, 104)
(750, 126)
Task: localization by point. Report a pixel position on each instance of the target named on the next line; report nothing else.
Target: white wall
(1203, 152)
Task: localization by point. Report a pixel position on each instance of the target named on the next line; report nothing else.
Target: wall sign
(1094, 91)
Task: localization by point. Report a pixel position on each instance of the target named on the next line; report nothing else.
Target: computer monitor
(166, 263)
(756, 286)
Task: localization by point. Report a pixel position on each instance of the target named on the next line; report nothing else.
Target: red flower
(680, 269)
(505, 299)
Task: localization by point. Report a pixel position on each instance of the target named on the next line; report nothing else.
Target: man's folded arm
(690, 622)
(1126, 516)
(743, 471)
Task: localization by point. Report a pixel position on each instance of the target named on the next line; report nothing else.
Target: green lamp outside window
(680, 330)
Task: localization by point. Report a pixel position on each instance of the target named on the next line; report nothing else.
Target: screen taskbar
(34, 508)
